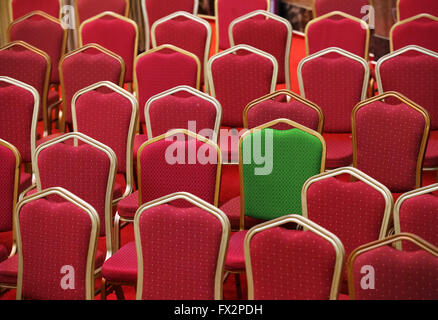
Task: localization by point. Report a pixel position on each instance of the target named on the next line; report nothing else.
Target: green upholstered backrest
(296, 156)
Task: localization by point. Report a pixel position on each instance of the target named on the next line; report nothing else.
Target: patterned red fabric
(239, 79)
(418, 215)
(186, 34)
(352, 7)
(7, 181)
(122, 265)
(398, 275)
(22, 7)
(106, 117)
(82, 170)
(9, 271)
(410, 8)
(269, 110)
(228, 142)
(431, 157)
(43, 34)
(25, 182)
(334, 82)
(166, 232)
(157, 9)
(268, 35)
(139, 139)
(388, 143)
(339, 150)
(16, 111)
(228, 10)
(128, 206)
(85, 68)
(182, 112)
(53, 235)
(116, 35)
(338, 32)
(3, 253)
(235, 260)
(279, 274)
(91, 8)
(420, 32)
(232, 209)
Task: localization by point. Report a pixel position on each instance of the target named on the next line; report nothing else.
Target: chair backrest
(154, 10)
(418, 30)
(416, 212)
(412, 71)
(336, 81)
(163, 68)
(228, 10)
(283, 104)
(86, 168)
(19, 8)
(239, 75)
(268, 32)
(19, 105)
(183, 107)
(200, 230)
(179, 161)
(274, 165)
(184, 31)
(85, 66)
(389, 140)
(285, 264)
(338, 29)
(57, 244)
(410, 8)
(358, 211)
(85, 9)
(43, 32)
(377, 271)
(115, 33)
(355, 8)
(109, 114)
(9, 180)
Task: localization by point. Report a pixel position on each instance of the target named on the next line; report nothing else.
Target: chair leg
(119, 292)
(238, 286)
(116, 232)
(103, 288)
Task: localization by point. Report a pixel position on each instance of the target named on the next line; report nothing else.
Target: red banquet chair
(336, 81)
(377, 271)
(338, 29)
(357, 211)
(389, 140)
(17, 56)
(109, 114)
(85, 9)
(267, 32)
(115, 33)
(154, 10)
(410, 8)
(416, 212)
(418, 30)
(413, 71)
(19, 8)
(83, 67)
(184, 31)
(283, 104)
(161, 69)
(228, 10)
(287, 264)
(355, 8)
(56, 216)
(198, 273)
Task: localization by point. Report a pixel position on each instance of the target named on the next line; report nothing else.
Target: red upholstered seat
(122, 266)
(25, 182)
(352, 7)
(410, 8)
(139, 139)
(338, 29)
(339, 149)
(23, 7)
(90, 8)
(232, 209)
(227, 11)
(431, 156)
(419, 30)
(3, 253)
(127, 207)
(115, 33)
(235, 254)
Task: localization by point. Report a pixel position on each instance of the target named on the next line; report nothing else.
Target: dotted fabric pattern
(431, 157)
(420, 32)
(91, 8)
(279, 275)
(122, 265)
(180, 250)
(410, 8)
(398, 275)
(22, 7)
(7, 179)
(232, 210)
(388, 143)
(339, 149)
(352, 7)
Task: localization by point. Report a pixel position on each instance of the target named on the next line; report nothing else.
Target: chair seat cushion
(122, 266)
(128, 206)
(339, 149)
(431, 157)
(25, 182)
(118, 191)
(235, 260)
(232, 210)
(52, 97)
(139, 139)
(3, 253)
